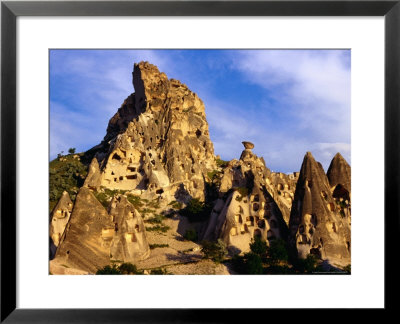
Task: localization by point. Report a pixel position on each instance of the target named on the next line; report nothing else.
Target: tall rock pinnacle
(158, 141)
(316, 224)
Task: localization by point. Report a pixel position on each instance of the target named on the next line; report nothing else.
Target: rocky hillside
(155, 199)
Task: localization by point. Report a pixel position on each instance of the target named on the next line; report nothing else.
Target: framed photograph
(200, 152)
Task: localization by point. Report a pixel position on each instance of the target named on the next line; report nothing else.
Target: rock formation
(339, 175)
(86, 241)
(93, 179)
(129, 243)
(316, 225)
(249, 208)
(158, 141)
(60, 217)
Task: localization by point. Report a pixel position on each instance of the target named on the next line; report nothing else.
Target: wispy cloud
(286, 102)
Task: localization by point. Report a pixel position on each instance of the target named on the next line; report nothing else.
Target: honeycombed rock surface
(60, 217)
(129, 242)
(155, 158)
(316, 224)
(250, 208)
(158, 141)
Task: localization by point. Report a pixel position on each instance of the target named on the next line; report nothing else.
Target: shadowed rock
(339, 172)
(316, 225)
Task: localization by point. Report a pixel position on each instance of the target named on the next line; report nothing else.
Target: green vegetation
(214, 251)
(135, 200)
(157, 219)
(175, 204)
(105, 195)
(221, 163)
(196, 210)
(307, 265)
(71, 150)
(65, 175)
(213, 175)
(154, 246)
(244, 191)
(190, 235)
(277, 251)
(258, 246)
(124, 269)
(264, 259)
(158, 228)
(159, 271)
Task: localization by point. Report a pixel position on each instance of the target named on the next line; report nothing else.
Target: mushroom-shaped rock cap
(248, 145)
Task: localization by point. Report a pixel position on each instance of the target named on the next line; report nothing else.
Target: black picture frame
(10, 10)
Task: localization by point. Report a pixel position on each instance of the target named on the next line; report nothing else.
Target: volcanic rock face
(158, 140)
(129, 243)
(316, 225)
(60, 217)
(250, 208)
(86, 241)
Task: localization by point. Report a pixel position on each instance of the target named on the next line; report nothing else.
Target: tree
(71, 150)
(277, 251)
(214, 251)
(258, 246)
(253, 263)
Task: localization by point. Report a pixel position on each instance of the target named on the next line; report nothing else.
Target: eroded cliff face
(250, 206)
(316, 224)
(158, 140)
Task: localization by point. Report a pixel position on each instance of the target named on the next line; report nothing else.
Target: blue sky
(286, 102)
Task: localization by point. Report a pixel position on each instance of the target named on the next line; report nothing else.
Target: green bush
(160, 271)
(108, 270)
(124, 268)
(277, 251)
(190, 235)
(153, 246)
(196, 210)
(67, 176)
(214, 251)
(157, 219)
(258, 246)
(158, 228)
(249, 263)
(253, 263)
(244, 191)
(135, 200)
(307, 265)
(128, 268)
(71, 150)
(222, 163)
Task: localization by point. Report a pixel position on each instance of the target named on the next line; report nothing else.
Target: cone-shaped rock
(339, 175)
(93, 179)
(86, 241)
(129, 242)
(249, 208)
(158, 141)
(316, 225)
(60, 217)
